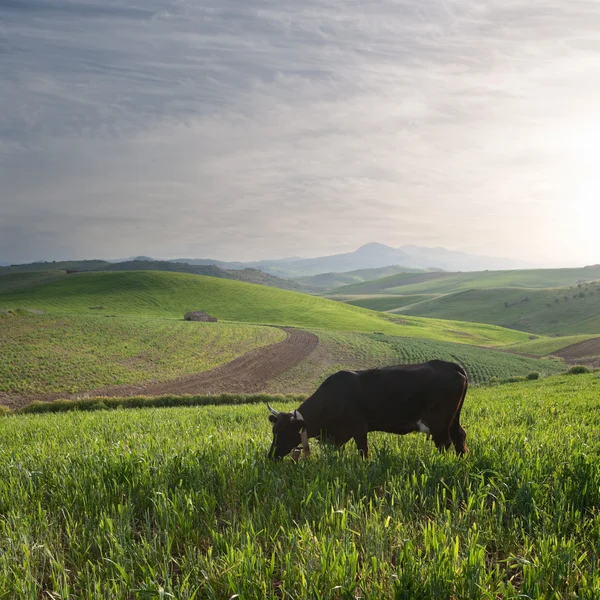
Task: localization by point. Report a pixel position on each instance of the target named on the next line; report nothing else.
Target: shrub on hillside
(578, 370)
(533, 376)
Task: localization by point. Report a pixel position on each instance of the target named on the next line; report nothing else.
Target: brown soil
(247, 374)
(582, 353)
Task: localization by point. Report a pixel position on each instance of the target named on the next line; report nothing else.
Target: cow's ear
(273, 418)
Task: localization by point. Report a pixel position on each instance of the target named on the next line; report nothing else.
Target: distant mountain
(369, 256)
(375, 255)
(451, 260)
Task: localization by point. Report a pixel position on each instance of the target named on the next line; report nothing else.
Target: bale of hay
(199, 315)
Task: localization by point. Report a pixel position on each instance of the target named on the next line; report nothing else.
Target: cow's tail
(457, 433)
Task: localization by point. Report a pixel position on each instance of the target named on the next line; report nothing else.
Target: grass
(384, 303)
(183, 503)
(50, 353)
(338, 351)
(42, 354)
(445, 283)
(170, 295)
(482, 365)
(545, 346)
(332, 280)
(564, 311)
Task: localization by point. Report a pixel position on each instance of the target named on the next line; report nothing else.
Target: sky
(253, 129)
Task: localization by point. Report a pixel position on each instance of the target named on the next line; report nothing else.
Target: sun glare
(582, 205)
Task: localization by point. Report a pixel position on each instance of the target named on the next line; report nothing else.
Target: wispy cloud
(265, 128)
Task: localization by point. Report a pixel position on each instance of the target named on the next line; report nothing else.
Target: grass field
(445, 283)
(42, 354)
(383, 302)
(545, 346)
(338, 351)
(170, 295)
(329, 281)
(566, 311)
(183, 503)
(75, 353)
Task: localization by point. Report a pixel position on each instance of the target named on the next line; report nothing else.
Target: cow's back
(395, 398)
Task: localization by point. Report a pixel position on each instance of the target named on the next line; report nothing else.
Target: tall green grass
(183, 503)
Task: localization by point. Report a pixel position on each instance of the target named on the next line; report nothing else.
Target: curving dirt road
(246, 374)
(582, 353)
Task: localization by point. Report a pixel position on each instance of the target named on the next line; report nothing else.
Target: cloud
(244, 130)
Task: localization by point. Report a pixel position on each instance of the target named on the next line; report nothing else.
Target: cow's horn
(272, 410)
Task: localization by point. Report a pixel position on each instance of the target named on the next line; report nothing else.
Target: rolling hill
(11, 277)
(85, 330)
(565, 311)
(446, 282)
(170, 295)
(329, 281)
(540, 301)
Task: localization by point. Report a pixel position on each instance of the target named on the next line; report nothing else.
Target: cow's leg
(458, 435)
(362, 444)
(442, 440)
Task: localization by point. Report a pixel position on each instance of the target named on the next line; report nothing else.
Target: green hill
(170, 295)
(563, 311)
(42, 354)
(341, 350)
(445, 283)
(383, 302)
(16, 273)
(329, 281)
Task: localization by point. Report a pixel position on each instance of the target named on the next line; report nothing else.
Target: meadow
(76, 353)
(171, 295)
(452, 282)
(70, 354)
(340, 350)
(182, 503)
(565, 311)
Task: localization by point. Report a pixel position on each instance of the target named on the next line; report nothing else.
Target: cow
(400, 399)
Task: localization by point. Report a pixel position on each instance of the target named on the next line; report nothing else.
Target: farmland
(183, 502)
(45, 354)
(566, 311)
(361, 351)
(446, 283)
(171, 295)
(544, 301)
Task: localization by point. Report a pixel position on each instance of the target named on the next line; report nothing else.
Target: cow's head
(286, 432)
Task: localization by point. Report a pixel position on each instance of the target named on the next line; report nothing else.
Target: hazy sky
(247, 129)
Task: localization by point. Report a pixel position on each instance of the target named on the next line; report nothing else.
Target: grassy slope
(183, 502)
(362, 351)
(545, 311)
(385, 303)
(76, 353)
(443, 283)
(332, 280)
(13, 282)
(170, 295)
(546, 346)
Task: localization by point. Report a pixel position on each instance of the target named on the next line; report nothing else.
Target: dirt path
(582, 353)
(248, 373)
